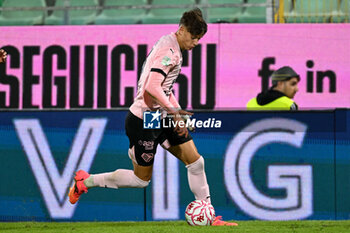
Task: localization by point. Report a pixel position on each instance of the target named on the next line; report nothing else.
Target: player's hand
(3, 55)
(185, 113)
(186, 116)
(180, 128)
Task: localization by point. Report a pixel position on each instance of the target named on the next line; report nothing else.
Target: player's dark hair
(194, 22)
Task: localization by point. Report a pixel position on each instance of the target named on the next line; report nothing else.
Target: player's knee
(197, 166)
(141, 183)
(144, 184)
(127, 178)
(131, 153)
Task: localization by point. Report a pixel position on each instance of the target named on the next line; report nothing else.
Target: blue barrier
(260, 165)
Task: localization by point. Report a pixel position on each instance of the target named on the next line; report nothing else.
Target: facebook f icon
(151, 120)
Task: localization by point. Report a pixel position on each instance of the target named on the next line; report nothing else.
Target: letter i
(310, 77)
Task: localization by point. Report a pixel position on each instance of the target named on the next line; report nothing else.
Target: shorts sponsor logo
(147, 156)
(147, 144)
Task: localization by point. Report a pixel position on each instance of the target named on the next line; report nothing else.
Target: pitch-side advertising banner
(270, 166)
(97, 67)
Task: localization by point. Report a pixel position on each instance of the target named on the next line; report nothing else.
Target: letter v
(54, 186)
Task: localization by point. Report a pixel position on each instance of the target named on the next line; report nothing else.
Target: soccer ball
(199, 213)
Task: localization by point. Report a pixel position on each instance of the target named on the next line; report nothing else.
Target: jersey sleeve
(165, 60)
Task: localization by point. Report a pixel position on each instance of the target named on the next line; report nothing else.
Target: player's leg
(121, 178)
(142, 150)
(188, 154)
(185, 150)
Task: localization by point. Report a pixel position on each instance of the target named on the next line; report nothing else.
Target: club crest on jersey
(166, 61)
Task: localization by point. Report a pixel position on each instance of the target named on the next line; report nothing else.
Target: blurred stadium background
(103, 43)
(69, 12)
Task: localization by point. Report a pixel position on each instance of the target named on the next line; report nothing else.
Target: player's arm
(154, 88)
(3, 55)
(164, 61)
(173, 101)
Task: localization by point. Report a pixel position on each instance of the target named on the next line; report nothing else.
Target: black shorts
(144, 142)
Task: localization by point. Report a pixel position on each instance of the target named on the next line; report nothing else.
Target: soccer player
(3, 55)
(159, 73)
(279, 97)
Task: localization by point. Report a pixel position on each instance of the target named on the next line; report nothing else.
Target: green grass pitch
(176, 227)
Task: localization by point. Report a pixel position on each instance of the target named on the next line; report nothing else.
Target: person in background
(3, 55)
(280, 96)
